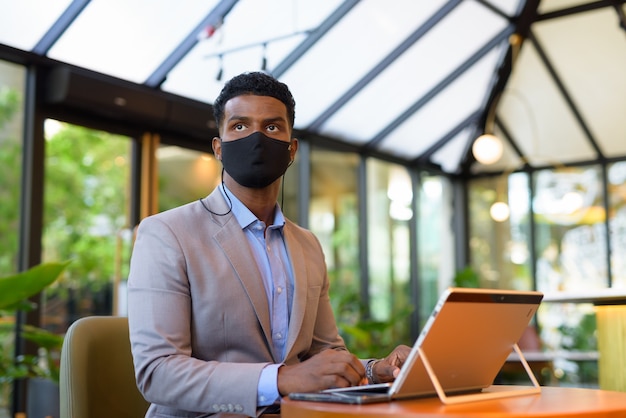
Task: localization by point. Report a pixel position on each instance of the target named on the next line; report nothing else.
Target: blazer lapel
(230, 238)
(298, 264)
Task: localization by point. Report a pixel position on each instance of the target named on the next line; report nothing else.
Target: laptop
(459, 352)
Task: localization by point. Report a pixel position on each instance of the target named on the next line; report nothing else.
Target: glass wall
(569, 216)
(334, 219)
(12, 80)
(389, 197)
(499, 231)
(570, 248)
(86, 220)
(616, 177)
(185, 175)
(435, 241)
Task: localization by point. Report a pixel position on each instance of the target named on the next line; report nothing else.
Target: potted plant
(41, 370)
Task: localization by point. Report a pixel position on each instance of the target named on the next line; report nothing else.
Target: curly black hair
(258, 84)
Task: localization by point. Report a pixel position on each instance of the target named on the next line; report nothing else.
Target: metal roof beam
(619, 9)
(214, 18)
(59, 27)
(384, 63)
(524, 18)
(315, 36)
(498, 39)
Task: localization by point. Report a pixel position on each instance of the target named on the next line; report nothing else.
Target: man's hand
(328, 369)
(388, 368)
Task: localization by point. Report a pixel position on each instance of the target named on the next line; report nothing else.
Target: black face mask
(257, 160)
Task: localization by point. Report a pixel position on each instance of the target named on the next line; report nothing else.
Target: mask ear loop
(282, 193)
(230, 203)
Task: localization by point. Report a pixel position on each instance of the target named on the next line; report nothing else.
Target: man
(228, 300)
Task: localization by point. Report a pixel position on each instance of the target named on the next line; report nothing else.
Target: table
(553, 402)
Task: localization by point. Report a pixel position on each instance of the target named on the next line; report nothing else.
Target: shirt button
(279, 290)
(279, 335)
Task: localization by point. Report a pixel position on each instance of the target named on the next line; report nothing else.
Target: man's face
(244, 115)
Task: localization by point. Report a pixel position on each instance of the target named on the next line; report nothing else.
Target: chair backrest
(97, 374)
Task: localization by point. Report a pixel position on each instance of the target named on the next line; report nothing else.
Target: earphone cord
(230, 203)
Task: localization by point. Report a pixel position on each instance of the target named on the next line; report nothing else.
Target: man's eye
(238, 127)
(272, 128)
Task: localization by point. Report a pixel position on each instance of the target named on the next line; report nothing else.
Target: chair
(97, 374)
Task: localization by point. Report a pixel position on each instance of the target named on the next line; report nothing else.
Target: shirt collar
(244, 216)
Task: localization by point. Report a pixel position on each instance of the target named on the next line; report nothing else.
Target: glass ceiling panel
(349, 50)
(416, 72)
(128, 39)
(510, 7)
(448, 109)
(24, 22)
(280, 23)
(532, 109)
(450, 155)
(592, 71)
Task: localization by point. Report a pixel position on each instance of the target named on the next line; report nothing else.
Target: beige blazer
(198, 314)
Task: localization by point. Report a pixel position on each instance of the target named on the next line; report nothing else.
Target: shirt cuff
(267, 391)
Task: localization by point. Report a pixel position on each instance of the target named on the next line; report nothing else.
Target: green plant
(466, 278)
(15, 291)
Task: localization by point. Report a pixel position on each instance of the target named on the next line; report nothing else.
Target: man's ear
(216, 144)
(293, 147)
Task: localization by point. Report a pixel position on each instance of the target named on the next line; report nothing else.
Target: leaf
(17, 288)
(43, 338)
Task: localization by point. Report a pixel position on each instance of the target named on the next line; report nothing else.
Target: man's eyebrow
(238, 118)
(275, 119)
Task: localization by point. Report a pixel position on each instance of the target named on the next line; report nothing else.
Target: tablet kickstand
(454, 399)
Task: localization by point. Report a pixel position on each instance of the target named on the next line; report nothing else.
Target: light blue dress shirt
(271, 257)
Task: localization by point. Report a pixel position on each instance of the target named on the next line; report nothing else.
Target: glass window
(389, 196)
(11, 133)
(185, 175)
(334, 219)
(617, 221)
(435, 241)
(86, 220)
(11, 127)
(570, 230)
(571, 256)
(499, 225)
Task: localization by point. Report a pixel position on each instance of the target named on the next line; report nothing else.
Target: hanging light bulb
(499, 211)
(487, 149)
(264, 59)
(220, 72)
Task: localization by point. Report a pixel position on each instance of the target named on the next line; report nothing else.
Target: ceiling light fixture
(264, 59)
(263, 44)
(487, 149)
(220, 72)
(499, 211)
